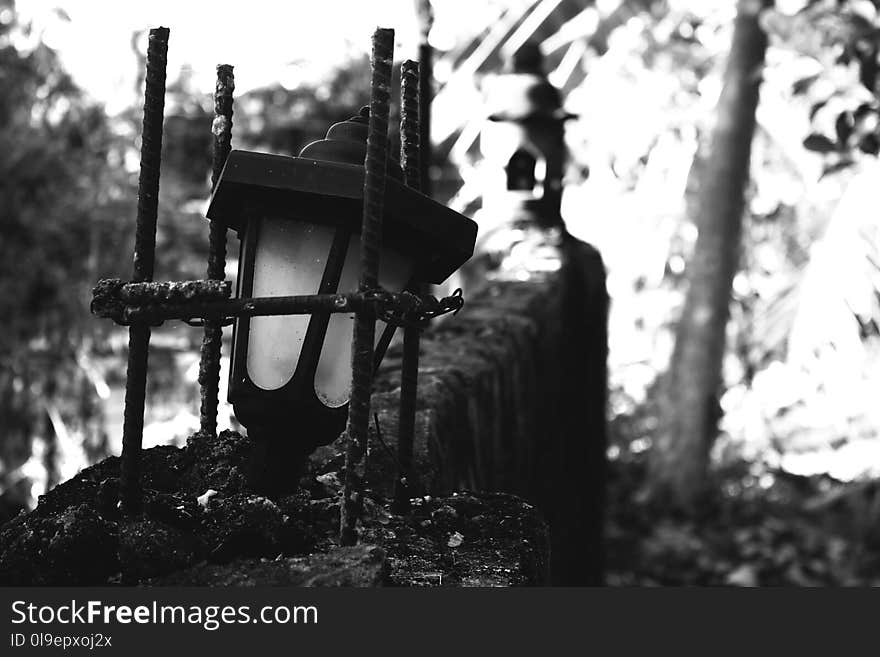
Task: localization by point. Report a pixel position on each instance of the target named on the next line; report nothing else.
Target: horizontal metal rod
(127, 303)
(252, 307)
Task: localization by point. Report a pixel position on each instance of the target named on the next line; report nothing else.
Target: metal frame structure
(141, 303)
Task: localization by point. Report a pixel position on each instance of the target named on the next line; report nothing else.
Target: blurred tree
(59, 206)
(689, 408)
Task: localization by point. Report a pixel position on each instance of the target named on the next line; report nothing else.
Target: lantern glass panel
(289, 260)
(333, 374)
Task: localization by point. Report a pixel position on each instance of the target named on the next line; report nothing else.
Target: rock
(235, 537)
(74, 548)
(487, 539)
(218, 462)
(359, 566)
(242, 526)
(149, 548)
(98, 485)
(175, 509)
(298, 533)
(85, 487)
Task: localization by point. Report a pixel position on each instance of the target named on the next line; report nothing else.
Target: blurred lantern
(523, 142)
(299, 222)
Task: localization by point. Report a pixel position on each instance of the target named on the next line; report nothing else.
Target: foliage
(762, 526)
(814, 311)
(282, 120)
(843, 42)
(803, 342)
(60, 204)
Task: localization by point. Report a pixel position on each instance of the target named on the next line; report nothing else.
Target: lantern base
(278, 460)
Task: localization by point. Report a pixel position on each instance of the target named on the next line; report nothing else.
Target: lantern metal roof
(323, 191)
(523, 93)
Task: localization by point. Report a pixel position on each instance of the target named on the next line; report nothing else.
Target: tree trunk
(689, 393)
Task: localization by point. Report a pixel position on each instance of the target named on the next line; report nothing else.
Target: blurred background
(794, 466)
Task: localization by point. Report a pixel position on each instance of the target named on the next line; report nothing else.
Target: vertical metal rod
(409, 373)
(130, 492)
(209, 364)
(376, 165)
(410, 124)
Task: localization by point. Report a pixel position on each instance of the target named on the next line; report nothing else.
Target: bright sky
(261, 38)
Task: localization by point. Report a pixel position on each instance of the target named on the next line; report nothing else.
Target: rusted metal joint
(107, 300)
(416, 311)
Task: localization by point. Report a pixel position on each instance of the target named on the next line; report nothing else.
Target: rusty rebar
(375, 166)
(221, 128)
(410, 139)
(409, 372)
(130, 492)
(170, 291)
(212, 341)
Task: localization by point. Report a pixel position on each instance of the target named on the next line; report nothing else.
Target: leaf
(868, 70)
(803, 85)
(838, 166)
(819, 143)
(870, 144)
(455, 540)
(863, 111)
(816, 107)
(843, 126)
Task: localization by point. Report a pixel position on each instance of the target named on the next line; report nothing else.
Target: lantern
(298, 220)
(524, 142)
